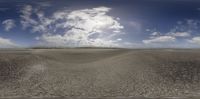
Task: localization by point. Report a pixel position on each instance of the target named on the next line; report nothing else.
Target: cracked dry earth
(105, 73)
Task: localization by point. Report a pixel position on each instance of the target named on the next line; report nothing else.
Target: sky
(100, 23)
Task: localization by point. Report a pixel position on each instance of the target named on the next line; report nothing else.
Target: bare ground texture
(100, 73)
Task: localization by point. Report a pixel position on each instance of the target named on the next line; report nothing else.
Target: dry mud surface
(104, 73)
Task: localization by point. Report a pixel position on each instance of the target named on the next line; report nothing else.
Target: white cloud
(148, 30)
(85, 27)
(119, 39)
(6, 43)
(92, 20)
(8, 24)
(26, 17)
(195, 40)
(188, 25)
(155, 34)
(182, 30)
(180, 34)
(160, 39)
(60, 41)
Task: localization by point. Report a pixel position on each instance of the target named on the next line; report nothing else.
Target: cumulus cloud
(8, 24)
(155, 34)
(182, 30)
(160, 39)
(6, 43)
(195, 40)
(85, 27)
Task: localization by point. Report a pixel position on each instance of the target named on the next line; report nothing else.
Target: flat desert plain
(100, 73)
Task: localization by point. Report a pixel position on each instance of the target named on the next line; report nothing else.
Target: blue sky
(100, 23)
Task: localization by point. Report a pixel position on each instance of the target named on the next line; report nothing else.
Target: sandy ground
(100, 73)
